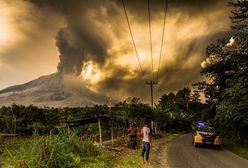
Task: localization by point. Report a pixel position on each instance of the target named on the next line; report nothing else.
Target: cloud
(85, 36)
(96, 30)
(29, 51)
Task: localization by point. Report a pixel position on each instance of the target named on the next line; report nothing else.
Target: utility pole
(151, 83)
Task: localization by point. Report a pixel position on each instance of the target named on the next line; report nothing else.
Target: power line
(149, 15)
(124, 7)
(162, 41)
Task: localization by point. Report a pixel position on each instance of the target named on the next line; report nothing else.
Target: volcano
(55, 90)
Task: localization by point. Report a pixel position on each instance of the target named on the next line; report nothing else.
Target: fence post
(112, 133)
(100, 130)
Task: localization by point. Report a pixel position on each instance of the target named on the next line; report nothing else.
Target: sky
(90, 40)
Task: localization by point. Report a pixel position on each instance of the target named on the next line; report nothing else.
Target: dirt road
(182, 154)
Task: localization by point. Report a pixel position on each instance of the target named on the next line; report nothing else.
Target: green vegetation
(21, 120)
(49, 147)
(55, 150)
(238, 149)
(61, 150)
(226, 107)
(131, 160)
(177, 111)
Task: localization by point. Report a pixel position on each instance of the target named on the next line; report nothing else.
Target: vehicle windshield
(205, 128)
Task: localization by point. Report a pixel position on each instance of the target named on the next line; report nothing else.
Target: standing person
(146, 142)
(132, 134)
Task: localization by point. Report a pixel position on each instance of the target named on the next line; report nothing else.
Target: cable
(162, 41)
(149, 15)
(124, 7)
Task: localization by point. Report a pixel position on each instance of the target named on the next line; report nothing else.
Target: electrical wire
(150, 31)
(162, 41)
(124, 7)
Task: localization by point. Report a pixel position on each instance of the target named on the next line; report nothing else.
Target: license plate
(208, 142)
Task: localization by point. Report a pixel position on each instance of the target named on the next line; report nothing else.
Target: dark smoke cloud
(71, 57)
(139, 8)
(84, 39)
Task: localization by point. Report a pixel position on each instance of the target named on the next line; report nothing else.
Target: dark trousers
(145, 150)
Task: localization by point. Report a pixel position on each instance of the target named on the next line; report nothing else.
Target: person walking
(146, 143)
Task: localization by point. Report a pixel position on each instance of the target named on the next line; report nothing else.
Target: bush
(56, 151)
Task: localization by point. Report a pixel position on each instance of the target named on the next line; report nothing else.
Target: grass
(235, 148)
(104, 160)
(59, 150)
(56, 151)
(132, 158)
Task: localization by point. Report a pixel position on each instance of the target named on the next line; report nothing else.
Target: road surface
(182, 154)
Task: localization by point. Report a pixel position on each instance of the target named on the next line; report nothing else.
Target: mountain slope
(52, 90)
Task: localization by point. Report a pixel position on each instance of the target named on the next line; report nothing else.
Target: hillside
(53, 90)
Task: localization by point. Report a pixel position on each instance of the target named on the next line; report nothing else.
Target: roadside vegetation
(225, 106)
(54, 150)
(241, 150)
(61, 150)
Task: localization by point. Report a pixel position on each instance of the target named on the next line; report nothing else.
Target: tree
(167, 101)
(183, 98)
(227, 67)
(228, 59)
(239, 18)
(195, 96)
(233, 110)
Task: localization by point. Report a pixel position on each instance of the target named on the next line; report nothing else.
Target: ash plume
(82, 39)
(96, 30)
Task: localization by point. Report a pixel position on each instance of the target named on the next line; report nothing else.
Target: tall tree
(233, 110)
(227, 67)
(183, 99)
(167, 101)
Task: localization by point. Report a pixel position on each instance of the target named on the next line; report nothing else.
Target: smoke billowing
(96, 31)
(82, 39)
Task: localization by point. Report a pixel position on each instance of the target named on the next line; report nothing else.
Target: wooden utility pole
(151, 83)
